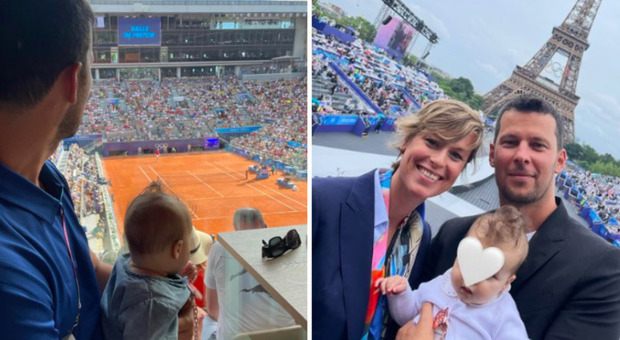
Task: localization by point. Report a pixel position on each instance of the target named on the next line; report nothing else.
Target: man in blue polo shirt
(50, 283)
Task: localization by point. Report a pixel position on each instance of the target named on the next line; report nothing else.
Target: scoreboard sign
(211, 143)
(139, 32)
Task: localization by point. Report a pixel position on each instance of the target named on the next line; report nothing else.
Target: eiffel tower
(553, 71)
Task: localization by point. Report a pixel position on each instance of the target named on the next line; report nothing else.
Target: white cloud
(518, 56)
(597, 122)
(491, 70)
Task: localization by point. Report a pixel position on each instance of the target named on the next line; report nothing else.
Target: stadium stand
(394, 88)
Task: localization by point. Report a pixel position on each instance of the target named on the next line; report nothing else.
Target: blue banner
(296, 145)
(86, 137)
(339, 120)
(82, 138)
(240, 129)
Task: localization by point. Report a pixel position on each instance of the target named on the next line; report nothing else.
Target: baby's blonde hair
(506, 227)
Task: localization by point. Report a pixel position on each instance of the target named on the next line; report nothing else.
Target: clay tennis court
(212, 184)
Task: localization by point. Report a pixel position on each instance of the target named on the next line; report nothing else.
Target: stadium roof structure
(247, 8)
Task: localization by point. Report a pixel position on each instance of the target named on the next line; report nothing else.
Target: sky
(484, 40)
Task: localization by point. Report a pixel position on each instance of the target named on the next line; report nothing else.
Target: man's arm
(102, 271)
(211, 303)
(594, 310)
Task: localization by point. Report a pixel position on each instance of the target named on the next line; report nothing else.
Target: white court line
(264, 193)
(147, 176)
(207, 185)
(160, 178)
(169, 187)
(220, 170)
(235, 178)
(279, 193)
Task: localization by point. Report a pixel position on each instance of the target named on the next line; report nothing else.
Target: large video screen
(139, 32)
(394, 37)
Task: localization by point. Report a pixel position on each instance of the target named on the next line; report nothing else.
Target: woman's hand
(423, 330)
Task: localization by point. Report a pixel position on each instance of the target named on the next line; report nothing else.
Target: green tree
(460, 89)
(607, 158)
(574, 151)
(410, 60)
(366, 30)
(476, 102)
(590, 160)
(316, 9)
(605, 168)
(462, 85)
(589, 154)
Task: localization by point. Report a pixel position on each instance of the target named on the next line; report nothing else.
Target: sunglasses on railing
(277, 246)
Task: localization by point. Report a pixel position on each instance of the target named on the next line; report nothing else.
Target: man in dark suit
(569, 285)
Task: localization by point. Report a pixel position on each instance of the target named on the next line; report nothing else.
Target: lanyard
(77, 284)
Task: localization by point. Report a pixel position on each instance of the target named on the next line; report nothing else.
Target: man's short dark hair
(38, 40)
(529, 103)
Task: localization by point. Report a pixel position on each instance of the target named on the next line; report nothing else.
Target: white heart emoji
(477, 264)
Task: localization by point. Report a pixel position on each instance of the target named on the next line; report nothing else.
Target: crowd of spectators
(280, 108)
(222, 102)
(83, 178)
(277, 150)
(270, 68)
(56, 155)
(185, 108)
(150, 110)
(599, 191)
(89, 192)
(140, 73)
(376, 74)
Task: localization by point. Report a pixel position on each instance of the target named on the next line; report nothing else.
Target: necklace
(195, 308)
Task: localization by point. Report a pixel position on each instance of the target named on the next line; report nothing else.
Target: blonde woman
(373, 226)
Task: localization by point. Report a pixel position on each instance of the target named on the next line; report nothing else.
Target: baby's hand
(190, 271)
(391, 285)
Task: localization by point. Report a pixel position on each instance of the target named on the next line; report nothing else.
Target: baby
(483, 310)
(146, 292)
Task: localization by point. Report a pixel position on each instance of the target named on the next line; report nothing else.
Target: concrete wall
(301, 38)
